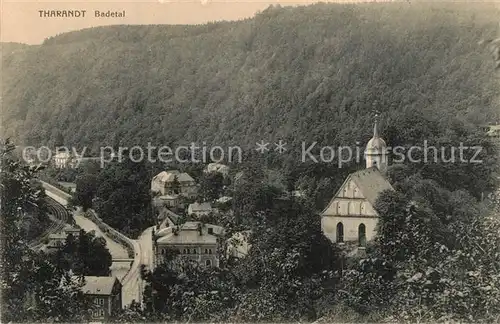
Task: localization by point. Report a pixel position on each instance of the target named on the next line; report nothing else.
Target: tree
(123, 198)
(176, 185)
(59, 140)
(211, 186)
(86, 255)
(32, 289)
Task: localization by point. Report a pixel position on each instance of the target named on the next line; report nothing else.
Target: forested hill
(305, 73)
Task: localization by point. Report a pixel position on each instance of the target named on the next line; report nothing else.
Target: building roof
(239, 243)
(189, 234)
(217, 167)
(98, 285)
(370, 182)
(224, 199)
(166, 215)
(200, 207)
(70, 228)
(493, 130)
(169, 176)
(169, 197)
(62, 155)
(57, 236)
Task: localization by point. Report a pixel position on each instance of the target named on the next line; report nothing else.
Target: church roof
(371, 183)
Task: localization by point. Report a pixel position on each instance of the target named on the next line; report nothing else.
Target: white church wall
(351, 227)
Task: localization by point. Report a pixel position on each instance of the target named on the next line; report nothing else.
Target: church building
(350, 216)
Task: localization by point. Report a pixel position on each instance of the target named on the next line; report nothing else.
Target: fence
(112, 233)
(54, 185)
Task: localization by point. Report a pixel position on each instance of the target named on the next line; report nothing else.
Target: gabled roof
(216, 167)
(57, 236)
(166, 214)
(369, 181)
(169, 176)
(200, 207)
(99, 285)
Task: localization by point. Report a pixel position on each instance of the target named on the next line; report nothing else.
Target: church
(350, 215)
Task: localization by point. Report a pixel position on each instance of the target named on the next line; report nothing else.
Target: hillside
(307, 73)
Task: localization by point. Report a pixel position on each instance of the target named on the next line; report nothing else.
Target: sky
(20, 20)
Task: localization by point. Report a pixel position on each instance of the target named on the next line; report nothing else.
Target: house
(173, 182)
(66, 159)
(70, 186)
(224, 200)
(194, 241)
(217, 167)
(106, 294)
(171, 201)
(62, 160)
(57, 240)
(237, 245)
(200, 209)
(167, 218)
(350, 215)
(493, 131)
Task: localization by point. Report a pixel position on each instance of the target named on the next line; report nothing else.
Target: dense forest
(314, 73)
(298, 74)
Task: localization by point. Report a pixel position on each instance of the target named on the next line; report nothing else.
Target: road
(133, 288)
(133, 285)
(118, 269)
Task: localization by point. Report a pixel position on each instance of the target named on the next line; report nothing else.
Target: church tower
(376, 151)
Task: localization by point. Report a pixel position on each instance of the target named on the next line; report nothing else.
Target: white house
(200, 209)
(237, 245)
(62, 160)
(165, 183)
(193, 240)
(217, 167)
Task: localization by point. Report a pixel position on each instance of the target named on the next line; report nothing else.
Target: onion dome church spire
(376, 150)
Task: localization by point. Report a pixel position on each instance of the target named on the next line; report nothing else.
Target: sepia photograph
(249, 161)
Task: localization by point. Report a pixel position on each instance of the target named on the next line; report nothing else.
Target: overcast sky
(21, 21)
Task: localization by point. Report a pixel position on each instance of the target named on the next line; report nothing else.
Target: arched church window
(362, 234)
(340, 232)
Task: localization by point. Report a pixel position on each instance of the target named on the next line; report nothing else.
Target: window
(206, 251)
(209, 251)
(340, 232)
(208, 263)
(362, 235)
(101, 301)
(210, 230)
(162, 251)
(98, 313)
(194, 251)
